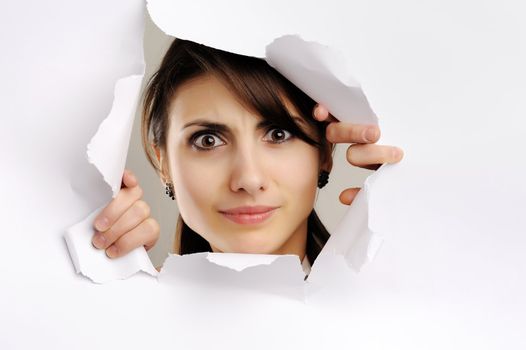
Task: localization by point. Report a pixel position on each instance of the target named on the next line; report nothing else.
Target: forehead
(207, 97)
(204, 96)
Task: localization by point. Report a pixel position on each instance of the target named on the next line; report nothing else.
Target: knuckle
(138, 191)
(110, 212)
(141, 209)
(123, 245)
(153, 226)
(110, 235)
(152, 231)
(329, 131)
(342, 133)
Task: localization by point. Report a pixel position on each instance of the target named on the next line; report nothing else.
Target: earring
(323, 178)
(170, 190)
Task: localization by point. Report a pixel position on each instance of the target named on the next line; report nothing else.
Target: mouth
(249, 215)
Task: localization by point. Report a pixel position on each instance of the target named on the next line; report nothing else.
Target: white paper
(322, 73)
(239, 262)
(353, 238)
(317, 69)
(107, 152)
(94, 264)
(448, 84)
(279, 275)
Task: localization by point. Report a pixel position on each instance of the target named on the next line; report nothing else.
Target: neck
(297, 242)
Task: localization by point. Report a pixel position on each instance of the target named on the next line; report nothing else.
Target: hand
(125, 223)
(363, 152)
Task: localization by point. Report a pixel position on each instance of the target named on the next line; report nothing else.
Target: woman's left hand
(364, 152)
(125, 223)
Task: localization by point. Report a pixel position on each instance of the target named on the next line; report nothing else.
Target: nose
(248, 173)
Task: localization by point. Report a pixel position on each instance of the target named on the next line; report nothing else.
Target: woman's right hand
(125, 223)
(364, 152)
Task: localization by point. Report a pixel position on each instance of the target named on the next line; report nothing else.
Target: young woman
(242, 150)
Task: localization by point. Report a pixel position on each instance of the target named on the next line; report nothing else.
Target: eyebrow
(225, 129)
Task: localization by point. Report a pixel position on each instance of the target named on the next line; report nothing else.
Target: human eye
(205, 140)
(278, 135)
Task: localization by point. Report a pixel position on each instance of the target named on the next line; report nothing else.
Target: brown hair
(258, 86)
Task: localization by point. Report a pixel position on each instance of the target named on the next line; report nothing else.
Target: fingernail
(315, 112)
(99, 240)
(397, 153)
(101, 224)
(112, 251)
(371, 135)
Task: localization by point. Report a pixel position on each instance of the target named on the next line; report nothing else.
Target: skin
(250, 166)
(248, 170)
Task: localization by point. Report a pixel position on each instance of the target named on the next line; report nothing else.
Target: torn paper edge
(108, 148)
(343, 96)
(292, 57)
(330, 66)
(335, 87)
(279, 275)
(107, 151)
(94, 264)
(353, 238)
(232, 261)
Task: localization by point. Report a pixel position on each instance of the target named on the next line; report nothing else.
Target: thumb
(321, 113)
(348, 195)
(128, 179)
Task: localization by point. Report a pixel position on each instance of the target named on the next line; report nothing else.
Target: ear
(164, 173)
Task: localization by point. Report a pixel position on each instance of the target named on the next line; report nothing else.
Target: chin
(252, 247)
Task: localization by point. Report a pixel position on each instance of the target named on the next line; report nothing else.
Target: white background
(445, 77)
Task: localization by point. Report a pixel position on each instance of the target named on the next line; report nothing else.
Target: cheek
(202, 186)
(196, 184)
(296, 171)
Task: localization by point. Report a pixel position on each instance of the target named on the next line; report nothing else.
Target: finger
(321, 113)
(128, 179)
(343, 132)
(113, 211)
(347, 196)
(137, 213)
(145, 234)
(370, 155)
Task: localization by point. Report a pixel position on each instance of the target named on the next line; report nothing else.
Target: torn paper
(450, 271)
(353, 238)
(108, 148)
(317, 69)
(279, 275)
(95, 264)
(107, 152)
(239, 262)
(321, 72)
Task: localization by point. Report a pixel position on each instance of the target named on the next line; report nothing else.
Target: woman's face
(244, 164)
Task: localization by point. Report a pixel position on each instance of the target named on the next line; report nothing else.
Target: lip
(248, 215)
